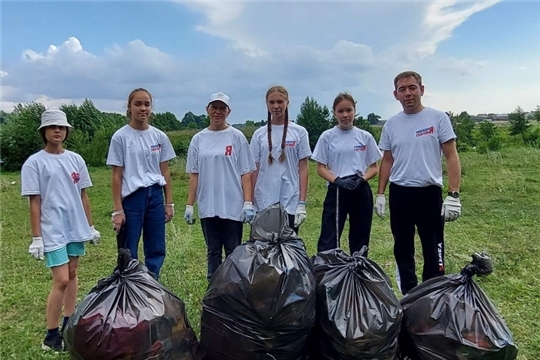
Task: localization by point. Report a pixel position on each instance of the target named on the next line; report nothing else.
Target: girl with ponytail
(281, 151)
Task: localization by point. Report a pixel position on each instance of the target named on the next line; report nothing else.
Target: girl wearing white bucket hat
(55, 181)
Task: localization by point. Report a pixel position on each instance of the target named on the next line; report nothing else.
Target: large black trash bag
(451, 318)
(358, 314)
(130, 316)
(260, 303)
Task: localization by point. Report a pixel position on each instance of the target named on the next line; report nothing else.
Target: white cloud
(3, 74)
(357, 47)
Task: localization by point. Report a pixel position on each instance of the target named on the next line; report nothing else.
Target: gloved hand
(249, 211)
(347, 184)
(359, 183)
(188, 215)
(96, 236)
(380, 205)
(451, 208)
(36, 248)
(301, 214)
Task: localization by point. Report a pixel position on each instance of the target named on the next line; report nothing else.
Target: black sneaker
(55, 344)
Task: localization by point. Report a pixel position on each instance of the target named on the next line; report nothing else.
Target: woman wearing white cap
(55, 181)
(281, 151)
(219, 164)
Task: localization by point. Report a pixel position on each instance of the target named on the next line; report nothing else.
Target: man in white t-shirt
(413, 142)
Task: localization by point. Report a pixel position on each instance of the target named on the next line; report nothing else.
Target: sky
(474, 56)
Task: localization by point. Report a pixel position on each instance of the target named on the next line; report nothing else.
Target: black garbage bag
(260, 303)
(358, 314)
(130, 316)
(451, 318)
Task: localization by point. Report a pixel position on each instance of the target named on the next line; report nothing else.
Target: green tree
(20, 137)
(536, 113)
(315, 118)
(166, 121)
(373, 119)
(518, 122)
(364, 124)
(463, 127)
(487, 130)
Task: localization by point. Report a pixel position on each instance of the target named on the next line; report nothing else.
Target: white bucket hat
(54, 117)
(220, 97)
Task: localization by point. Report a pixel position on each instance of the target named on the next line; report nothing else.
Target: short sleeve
(373, 153)
(83, 173)
(115, 157)
(320, 153)
(255, 146)
(192, 163)
(304, 150)
(30, 179)
(167, 151)
(446, 132)
(246, 163)
(384, 143)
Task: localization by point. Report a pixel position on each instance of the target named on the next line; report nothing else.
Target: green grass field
(501, 215)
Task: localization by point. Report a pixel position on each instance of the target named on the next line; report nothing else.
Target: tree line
(93, 129)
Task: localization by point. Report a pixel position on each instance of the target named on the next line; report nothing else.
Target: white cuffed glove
(36, 248)
(451, 208)
(96, 236)
(301, 214)
(249, 211)
(380, 205)
(188, 215)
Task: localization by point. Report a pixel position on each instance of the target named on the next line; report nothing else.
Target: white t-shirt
(220, 158)
(279, 182)
(58, 179)
(415, 142)
(139, 152)
(346, 152)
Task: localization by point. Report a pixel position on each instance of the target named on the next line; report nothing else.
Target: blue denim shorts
(61, 256)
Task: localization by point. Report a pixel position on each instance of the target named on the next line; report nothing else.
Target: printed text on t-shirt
(228, 150)
(360, 147)
(76, 177)
(155, 147)
(425, 131)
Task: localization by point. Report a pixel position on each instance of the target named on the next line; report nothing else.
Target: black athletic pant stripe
(420, 207)
(358, 204)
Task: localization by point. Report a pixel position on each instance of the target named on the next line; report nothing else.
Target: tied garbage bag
(260, 303)
(358, 314)
(451, 318)
(130, 316)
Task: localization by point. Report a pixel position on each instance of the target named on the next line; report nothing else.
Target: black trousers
(220, 234)
(358, 204)
(420, 207)
(291, 223)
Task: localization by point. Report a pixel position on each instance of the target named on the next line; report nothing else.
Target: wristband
(171, 205)
(301, 203)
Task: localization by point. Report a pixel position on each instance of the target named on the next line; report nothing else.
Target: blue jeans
(145, 211)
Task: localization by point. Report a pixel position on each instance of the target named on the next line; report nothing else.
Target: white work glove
(96, 236)
(36, 248)
(451, 208)
(188, 215)
(249, 211)
(380, 205)
(301, 214)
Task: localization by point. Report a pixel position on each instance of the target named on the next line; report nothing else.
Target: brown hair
(343, 96)
(42, 133)
(407, 74)
(130, 99)
(282, 91)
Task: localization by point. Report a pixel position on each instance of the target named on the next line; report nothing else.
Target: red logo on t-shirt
(76, 177)
(228, 150)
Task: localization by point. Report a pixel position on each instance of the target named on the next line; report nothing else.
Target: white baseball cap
(220, 97)
(54, 117)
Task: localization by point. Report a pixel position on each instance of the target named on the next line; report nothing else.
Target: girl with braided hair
(281, 151)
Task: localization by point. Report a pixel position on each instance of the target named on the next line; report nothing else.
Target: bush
(19, 136)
